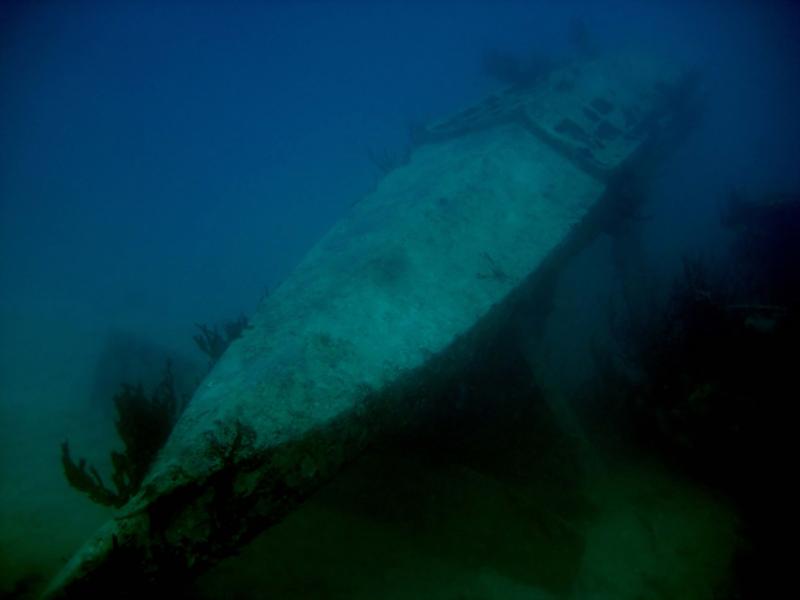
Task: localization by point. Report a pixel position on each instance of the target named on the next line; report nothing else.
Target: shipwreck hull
(386, 309)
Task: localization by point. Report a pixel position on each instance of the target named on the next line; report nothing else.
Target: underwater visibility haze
(398, 299)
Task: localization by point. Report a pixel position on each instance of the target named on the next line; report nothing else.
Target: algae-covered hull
(382, 310)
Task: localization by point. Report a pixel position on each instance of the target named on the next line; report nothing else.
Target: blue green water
(167, 164)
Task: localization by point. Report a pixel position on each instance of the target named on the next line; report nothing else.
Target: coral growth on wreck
(213, 343)
(144, 422)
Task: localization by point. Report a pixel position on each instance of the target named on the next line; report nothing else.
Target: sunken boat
(389, 306)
